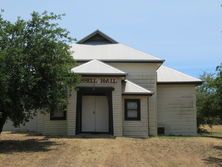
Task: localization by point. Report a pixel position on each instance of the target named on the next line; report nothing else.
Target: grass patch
(214, 131)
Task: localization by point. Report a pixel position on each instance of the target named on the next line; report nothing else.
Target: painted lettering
(99, 80)
(89, 80)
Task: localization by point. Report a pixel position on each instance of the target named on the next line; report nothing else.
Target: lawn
(21, 150)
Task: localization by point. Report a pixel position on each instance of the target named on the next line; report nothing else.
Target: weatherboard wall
(31, 126)
(177, 109)
(137, 127)
(51, 127)
(144, 74)
(172, 106)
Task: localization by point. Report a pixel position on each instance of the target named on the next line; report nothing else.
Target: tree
(209, 99)
(35, 67)
(205, 101)
(218, 87)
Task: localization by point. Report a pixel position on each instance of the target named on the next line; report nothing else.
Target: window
(132, 109)
(58, 115)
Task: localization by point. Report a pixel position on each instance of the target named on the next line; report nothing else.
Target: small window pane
(58, 114)
(132, 105)
(132, 114)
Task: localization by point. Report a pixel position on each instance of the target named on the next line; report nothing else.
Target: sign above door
(98, 80)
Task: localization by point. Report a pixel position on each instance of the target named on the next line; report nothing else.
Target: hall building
(122, 92)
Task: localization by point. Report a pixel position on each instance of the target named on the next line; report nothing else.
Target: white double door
(95, 114)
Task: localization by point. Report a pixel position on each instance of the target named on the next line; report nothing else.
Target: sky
(187, 34)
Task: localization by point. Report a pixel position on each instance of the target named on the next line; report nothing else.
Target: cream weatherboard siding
(144, 74)
(177, 109)
(51, 127)
(32, 125)
(40, 124)
(137, 127)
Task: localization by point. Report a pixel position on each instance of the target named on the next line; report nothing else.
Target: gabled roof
(130, 88)
(96, 67)
(100, 46)
(110, 53)
(169, 75)
(97, 35)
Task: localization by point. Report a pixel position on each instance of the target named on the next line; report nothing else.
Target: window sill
(57, 119)
(132, 120)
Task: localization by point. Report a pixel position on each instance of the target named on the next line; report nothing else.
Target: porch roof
(130, 88)
(96, 67)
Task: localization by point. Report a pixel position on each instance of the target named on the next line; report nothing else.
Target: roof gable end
(97, 37)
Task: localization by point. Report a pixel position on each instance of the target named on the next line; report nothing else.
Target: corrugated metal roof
(110, 52)
(96, 67)
(117, 52)
(132, 88)
(169, 75)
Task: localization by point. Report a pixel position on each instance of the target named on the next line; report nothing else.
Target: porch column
(71, 114)
(117, 110)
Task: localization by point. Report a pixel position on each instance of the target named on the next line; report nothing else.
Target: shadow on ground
(29, 145)
(79, 136)
(215, 160)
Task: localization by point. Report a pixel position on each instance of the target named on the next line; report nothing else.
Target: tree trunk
(2, 121)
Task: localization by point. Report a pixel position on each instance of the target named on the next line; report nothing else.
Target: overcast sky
(186, 33)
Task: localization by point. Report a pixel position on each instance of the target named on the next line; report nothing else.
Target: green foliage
(209, 98)
(35, 66)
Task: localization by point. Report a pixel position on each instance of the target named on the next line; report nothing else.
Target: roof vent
(96, 38)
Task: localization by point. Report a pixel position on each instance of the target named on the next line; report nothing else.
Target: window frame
(57, 118)
(138, 118)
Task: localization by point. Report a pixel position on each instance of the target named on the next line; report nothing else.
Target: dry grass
(216, 130)
(27, 150)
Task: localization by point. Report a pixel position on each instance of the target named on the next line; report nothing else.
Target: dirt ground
(29, 150)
